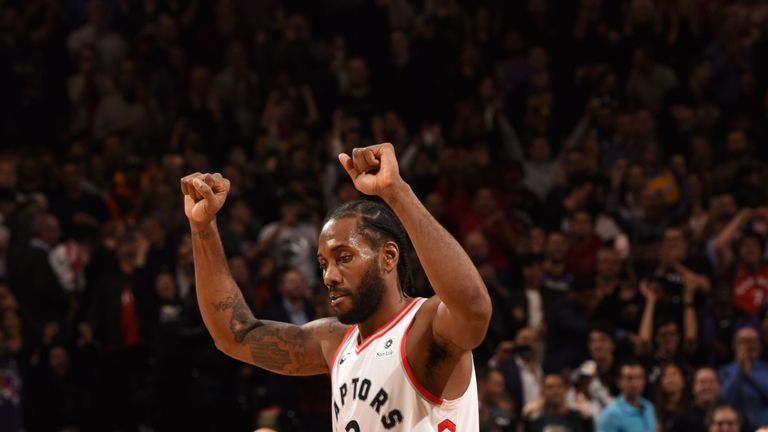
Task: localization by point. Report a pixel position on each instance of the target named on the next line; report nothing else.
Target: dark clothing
(572, 422)
(690, 420)
(35, 284)
(107, 310)
(278, 312)
(65, 208)
(567, 332)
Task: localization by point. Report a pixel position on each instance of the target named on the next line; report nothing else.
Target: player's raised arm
(279, 347)
(464, 313)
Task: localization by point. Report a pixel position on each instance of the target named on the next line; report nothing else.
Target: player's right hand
(204, 195)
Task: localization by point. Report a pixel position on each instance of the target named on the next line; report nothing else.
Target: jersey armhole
(423, 392)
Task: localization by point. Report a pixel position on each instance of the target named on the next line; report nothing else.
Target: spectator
(649, 116)
(292, 241)
(671, 395)
(602, 350)
(293, 306)
(584, 245)
(32, 279)
(557, 278)
(630, 411)
(10, 395)
(724, 418)
(496, 406)
(109, 44)
(551, 410)
(706, 389)
(744, 382)
(568, 326)
(648, 80)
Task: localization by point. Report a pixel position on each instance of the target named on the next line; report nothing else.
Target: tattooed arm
(279, 347)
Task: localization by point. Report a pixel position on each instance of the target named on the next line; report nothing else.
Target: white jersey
(374, 388)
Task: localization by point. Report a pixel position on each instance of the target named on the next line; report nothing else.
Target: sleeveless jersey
(374, 388)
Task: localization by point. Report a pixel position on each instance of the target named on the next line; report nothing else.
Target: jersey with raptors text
(374, 388)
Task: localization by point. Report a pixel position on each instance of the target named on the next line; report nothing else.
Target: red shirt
(582, 257)
(129, 320)
(750, 288)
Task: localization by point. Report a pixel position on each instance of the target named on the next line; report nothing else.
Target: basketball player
(396, 363)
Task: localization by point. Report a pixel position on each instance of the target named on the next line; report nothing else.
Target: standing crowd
(603, 163)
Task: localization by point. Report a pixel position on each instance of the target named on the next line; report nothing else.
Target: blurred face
(540, 150)
(532, 274)
(350, 270)
(557, 246)
(724, 419)
(705, 387)
(737, 143)
(165, 287)
(357, 72)
(538, 239)
(747, 341)
(674, 244)
(495, 385)
(554, 390)
(750, 251)
(632, 381)
(608, 263)
(127, 249)
(154, 231)
(668, 338)
(488, 89)
(644, 122)
(238, 266)
(70, 177)
(528, 337)
(601, 346)
(581, 226)
(476, 247)
(292, 285)
(59, 360)
(434, 204)
(672, 380)
(635, 178)
(241, 212)
(651, 202)
(485, 203)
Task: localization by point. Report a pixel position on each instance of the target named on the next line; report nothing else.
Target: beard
(367, 299)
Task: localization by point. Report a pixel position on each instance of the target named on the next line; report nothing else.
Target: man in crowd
(630, 411)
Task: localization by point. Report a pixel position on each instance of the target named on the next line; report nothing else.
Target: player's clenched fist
(204, 195)
(373, 169)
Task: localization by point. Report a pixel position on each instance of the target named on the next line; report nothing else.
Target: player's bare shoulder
(329, 332)
(422, 328)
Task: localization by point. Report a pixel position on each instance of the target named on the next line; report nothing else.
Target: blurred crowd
(603, 163)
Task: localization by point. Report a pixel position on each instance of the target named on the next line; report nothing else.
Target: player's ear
(391, 253)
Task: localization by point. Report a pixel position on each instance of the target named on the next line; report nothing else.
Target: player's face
(351, 271)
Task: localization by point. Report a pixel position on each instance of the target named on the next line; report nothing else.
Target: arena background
(603, 162)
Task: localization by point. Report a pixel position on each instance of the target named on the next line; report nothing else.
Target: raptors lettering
(360, 390)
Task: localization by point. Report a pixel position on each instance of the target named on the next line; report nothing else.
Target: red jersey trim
(411, 377)
(338, 348)
(386, 327)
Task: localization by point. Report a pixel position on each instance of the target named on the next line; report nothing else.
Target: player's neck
(391, 303)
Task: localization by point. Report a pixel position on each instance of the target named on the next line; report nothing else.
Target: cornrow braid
(377, 222)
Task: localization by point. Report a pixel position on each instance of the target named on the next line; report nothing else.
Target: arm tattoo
(280, 347)
(242, 320)
(202, 235)
(285, 348)
(227, 303)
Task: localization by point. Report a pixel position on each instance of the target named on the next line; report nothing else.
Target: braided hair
(378, 224)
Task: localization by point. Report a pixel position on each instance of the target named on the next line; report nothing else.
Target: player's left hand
(373, 169)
